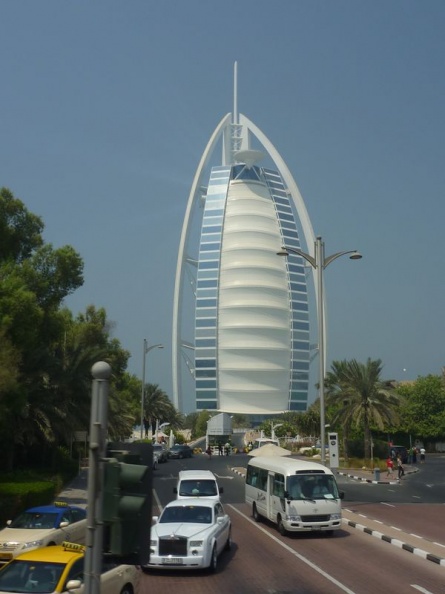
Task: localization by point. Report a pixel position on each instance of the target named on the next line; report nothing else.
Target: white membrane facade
(250, 352)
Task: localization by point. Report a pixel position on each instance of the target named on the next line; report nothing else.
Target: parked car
(180, 451)
(42, 526)
(189, 534)
(395, 450)
(162, 452)
(60, 569)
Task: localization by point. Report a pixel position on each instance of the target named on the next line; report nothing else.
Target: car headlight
(32, 543)
(196, 543)
(294, 518)
(335, 516)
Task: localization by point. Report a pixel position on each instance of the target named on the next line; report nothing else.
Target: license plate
(315, 528)
(172, 561)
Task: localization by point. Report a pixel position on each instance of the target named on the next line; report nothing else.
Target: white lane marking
(388, 504)
(420, 589)
(158, 503)
(290, 550)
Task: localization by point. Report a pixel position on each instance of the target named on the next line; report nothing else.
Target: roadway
(352, 561)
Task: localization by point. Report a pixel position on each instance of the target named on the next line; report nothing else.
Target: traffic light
(127, 511)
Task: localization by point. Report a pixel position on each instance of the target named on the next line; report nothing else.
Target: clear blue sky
(106, 108)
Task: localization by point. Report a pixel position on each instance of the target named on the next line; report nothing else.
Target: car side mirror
(73, 584)
(221, 489)
(342, 494)
(64, 524)
(175, 490)
(286, 495)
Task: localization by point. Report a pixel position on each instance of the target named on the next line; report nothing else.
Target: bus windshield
(312, 486)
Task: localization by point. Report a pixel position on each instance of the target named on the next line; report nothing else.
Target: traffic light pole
(101, 372)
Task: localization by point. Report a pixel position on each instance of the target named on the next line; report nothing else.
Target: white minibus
(297, 495)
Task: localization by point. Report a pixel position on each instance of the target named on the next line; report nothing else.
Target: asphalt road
(352, 561)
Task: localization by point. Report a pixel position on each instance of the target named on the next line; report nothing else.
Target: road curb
(395, 541)
(369, 480)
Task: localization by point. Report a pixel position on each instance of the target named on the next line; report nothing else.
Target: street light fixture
(273, 427)
(319, 262)
(146, 350)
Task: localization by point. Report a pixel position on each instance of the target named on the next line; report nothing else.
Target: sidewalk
(374, 476)
(416, 545)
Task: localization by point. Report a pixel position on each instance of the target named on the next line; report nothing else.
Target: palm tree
(362, 398)
(157, 406)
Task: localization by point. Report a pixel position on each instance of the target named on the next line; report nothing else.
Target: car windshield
(35, 520)
(194, 514)
(30, 576)
(313, 486)
(198, 488)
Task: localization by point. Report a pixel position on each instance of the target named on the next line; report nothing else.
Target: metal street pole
(101, 372)
(319, 262)
(146, 350)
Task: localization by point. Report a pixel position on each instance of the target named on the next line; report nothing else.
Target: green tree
(423, 413)
(157, 406)
(201, 423)
(363, 399)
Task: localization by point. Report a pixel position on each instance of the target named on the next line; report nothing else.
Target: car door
(220, 528)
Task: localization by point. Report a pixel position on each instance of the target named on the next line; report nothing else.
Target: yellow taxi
(60, 569)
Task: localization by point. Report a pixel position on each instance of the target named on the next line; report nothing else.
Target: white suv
(197, 483)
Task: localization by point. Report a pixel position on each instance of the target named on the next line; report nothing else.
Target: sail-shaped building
(241, 335)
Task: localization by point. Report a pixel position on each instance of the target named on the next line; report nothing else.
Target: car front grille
(176, 546)
(324, 518)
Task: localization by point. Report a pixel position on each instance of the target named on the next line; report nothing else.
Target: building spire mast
(235, 93)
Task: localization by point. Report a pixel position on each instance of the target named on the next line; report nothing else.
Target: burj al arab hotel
(241, 335)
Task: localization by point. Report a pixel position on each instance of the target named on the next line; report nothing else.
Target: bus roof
(287, 465)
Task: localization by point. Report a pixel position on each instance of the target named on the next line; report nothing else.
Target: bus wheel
(281, 529)
(255, 514)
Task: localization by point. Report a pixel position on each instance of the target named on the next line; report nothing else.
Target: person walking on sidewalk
(400, 469)
(389, 467)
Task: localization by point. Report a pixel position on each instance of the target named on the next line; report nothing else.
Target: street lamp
(319, 262)
(273, 427)
(146, 350)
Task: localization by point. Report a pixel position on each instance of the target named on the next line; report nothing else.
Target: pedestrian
(220, 448)
(400, 469)
(227, 448)
(422, 455)
(389, 467)
(209, 452)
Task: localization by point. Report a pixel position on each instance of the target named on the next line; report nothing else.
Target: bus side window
(278, 485)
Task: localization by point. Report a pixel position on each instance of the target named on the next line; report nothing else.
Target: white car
(42, 526)
(197, 483)
(189, 534)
